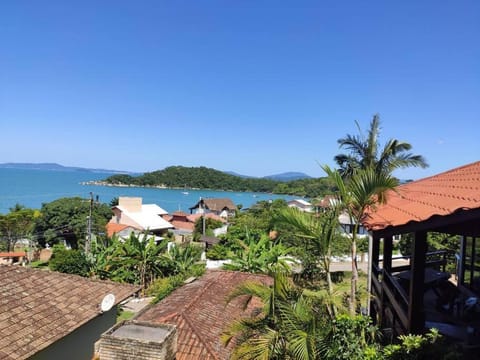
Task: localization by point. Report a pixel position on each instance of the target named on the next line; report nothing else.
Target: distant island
(57, 167)
(207, 178)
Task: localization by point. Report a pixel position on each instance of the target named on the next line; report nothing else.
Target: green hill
(207, 178)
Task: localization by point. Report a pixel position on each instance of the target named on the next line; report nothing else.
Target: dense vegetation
(66, 220)
(207, 178)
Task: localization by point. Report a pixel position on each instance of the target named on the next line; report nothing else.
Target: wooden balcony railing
(387, 291)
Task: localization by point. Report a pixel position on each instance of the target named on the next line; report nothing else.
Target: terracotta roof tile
(113, 228)
(200, 313)
(13, 254)
(442, 194)
(38, 307)
(183, 225)
(194, 217)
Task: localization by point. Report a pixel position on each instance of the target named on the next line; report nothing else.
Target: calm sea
(31, 188)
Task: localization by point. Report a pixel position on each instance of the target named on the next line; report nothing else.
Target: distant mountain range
(57, 167)
(284, 177)
(288, 176)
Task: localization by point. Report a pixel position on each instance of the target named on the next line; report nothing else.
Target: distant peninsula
(57, 167)
(207, 178)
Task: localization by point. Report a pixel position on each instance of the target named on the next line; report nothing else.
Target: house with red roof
(420, 295)
(50, 315)
(131, 213)
(223, 207)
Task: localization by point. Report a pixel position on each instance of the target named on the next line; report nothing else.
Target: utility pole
(203, 217)
(89, 226)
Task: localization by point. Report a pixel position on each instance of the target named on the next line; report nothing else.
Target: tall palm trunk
(353, 285)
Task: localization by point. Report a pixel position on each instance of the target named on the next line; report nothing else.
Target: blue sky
(255, 87)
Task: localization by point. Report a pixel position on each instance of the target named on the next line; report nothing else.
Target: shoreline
(164, 187)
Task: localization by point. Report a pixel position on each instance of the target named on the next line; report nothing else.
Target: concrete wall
(133, 204)
(79, 345)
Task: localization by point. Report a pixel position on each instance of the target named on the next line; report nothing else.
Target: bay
(31, 188)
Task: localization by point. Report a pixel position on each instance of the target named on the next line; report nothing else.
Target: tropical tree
(16, 225)
(136, 260)
(287, 327)
(317, 233)
(360, 193)
(66, 219)
(258, 256)
(365, 152)
(183, 258)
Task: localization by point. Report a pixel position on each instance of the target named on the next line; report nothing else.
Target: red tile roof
(39, 307)
(113, 228)
(442, 194)
(326, 202)
(13, 254)
(194, 217)
(183, 225)
(180, 213)
(200, 313)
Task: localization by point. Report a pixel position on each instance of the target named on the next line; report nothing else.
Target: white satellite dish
(107, 302)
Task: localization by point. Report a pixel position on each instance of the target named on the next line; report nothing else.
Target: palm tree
(318, 231)
(365, 152)
(288, 326)
(361, 192)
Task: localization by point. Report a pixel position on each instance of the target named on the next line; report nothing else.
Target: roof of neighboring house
(113, 228)
(200, 313)
(183, 225)
(154, 208)
(300, 201)
(216, 204)
(183, 221)
(327, 201)
(12, 254)
(442, 194)
(39, 307)
(149, 217)
(194, 217)
(179, 213)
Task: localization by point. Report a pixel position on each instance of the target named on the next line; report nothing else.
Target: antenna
(107, 302)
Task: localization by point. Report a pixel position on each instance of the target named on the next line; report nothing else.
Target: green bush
(69, 261)
(351, 338)
(162, 287)
(217, 252)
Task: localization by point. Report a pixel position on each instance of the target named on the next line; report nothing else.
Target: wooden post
(373, 260)
(461, 261)
(375, 249)
(416, 314)
(387, 267)
(387, 253)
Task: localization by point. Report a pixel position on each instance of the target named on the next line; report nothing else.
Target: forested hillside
(207, 178)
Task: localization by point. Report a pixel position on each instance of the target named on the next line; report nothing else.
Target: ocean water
(31, 188)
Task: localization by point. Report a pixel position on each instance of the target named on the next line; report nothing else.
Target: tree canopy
(66, 219)
(16, 225)
(366, 152)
